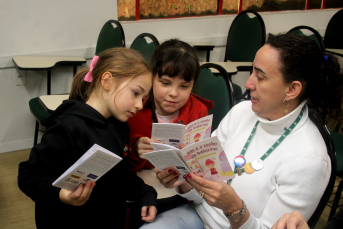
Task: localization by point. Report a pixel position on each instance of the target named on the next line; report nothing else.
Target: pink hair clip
(88, 76)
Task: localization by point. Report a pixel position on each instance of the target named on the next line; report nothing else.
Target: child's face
(170, 93)
(127, 98)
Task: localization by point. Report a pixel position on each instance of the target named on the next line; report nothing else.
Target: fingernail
(185, 177)
(170, 170)
(177, 177)
(175, 173)
(189, 175)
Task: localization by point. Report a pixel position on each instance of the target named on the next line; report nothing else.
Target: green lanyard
(278, 142)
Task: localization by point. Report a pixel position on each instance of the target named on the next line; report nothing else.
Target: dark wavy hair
(173, 58)
(320, 74)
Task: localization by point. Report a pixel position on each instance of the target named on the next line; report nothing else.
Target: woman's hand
(216, 194)
(291, 221)
(148, 213)
(169, 177)
(79, 197)
(141, 146)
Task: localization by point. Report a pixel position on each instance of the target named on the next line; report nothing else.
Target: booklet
(205, 158)
(91, 166)
(176, 134)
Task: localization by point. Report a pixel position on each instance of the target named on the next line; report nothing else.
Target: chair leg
(336, 200)
(35, 138)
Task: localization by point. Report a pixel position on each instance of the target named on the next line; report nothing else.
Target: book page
(198, 130)
(208, 159)
(164, 159)
(91, 166)
(168, 133)
(160, 146)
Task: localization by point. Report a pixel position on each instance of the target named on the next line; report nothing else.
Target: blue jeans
(183, 217)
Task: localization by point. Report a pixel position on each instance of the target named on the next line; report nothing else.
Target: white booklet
(91, 166)
(205, 158)
(175, 134)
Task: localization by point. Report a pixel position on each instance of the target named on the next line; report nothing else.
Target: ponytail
(122, 63)
(326, 101)
(80, 87)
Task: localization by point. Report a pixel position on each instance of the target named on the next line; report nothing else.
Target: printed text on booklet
(91, 166)
(205, 158)
(176, 134)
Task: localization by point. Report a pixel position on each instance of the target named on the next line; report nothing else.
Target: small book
(205, 158)
(91, 166)
(176, 134)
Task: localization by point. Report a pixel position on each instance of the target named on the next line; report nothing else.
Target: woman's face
(266, 85)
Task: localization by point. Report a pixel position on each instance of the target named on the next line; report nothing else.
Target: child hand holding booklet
(203, 156)
(176, 134)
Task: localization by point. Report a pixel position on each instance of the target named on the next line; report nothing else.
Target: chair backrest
(332, 154)
(246, 36)
(334, 32)
(111, 35)
(146, 49)
(314, 35)
(217, 88)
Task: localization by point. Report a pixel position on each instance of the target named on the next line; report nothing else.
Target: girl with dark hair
(286, 166)
(102, 98)
(175, 69)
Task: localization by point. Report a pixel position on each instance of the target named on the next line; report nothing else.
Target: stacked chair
(215, 87)
(246, 36)
(143, 46)
(314, 35)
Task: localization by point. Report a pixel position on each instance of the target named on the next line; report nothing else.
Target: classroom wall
(70, 28)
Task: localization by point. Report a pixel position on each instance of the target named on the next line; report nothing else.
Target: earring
(285, 106)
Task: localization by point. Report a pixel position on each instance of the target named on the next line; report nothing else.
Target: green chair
(246, 36)
(332, 155)
(334, 32)
(217, 88)
(338, 142)
(146, 49)
(41, 115)
(314, 35)
(111, 35)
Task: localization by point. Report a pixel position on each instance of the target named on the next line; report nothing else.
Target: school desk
(47, 63)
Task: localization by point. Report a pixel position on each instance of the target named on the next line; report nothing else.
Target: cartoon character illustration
(197, 137)
(210, 164)
(208, 132)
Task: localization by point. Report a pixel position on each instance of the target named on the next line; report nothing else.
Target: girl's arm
(47, 161)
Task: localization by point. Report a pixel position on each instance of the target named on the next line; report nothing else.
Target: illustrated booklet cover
(91, 166)
(205, 158)
(175, 134)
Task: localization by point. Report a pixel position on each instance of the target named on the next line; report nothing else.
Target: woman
(290, 166)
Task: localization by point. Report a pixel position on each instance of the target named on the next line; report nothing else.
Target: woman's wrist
(236, 204)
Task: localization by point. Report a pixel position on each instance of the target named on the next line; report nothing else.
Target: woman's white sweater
(294, 175)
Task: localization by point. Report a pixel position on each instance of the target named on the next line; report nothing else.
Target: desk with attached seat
(47, 63)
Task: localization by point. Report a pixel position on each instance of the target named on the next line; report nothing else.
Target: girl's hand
(216, 194)
(80, 196)
(169, 177)
(148, 213)
(291, 221)
(141, 146)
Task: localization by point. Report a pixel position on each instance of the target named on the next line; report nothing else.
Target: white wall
(70, 28)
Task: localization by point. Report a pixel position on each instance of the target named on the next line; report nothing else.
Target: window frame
(220, 8)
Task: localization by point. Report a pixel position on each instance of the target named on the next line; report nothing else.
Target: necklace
(258, 164)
